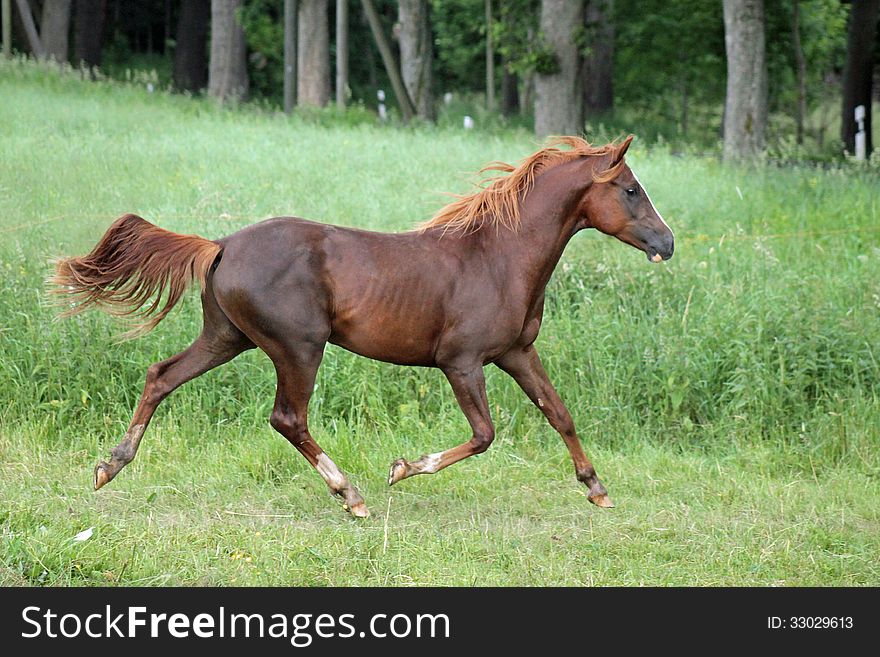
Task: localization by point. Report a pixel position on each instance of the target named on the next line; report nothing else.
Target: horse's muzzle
(659, 250)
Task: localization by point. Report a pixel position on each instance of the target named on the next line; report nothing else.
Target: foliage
(459, 36)
(263, 23)
(669, 62)
(514, 30)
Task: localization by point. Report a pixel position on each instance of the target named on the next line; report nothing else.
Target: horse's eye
(631, 191)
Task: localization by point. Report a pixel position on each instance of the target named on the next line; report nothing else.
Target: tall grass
(734, 388)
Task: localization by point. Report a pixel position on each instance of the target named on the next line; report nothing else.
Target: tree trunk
(685, 97)
(403, 100)
(341, 53)
(291, 9)
(313, 54)
(490, 61)
(30, 29)
(416, 55)
(599, 64)
(745, 115)
(559, 93)
(190, 54)
(509, 93)
(801, 70)
(227, 75)
(370, 56)
(88, 31)
(6, 21)
(55, 28)
(167, 25)
(859, 69)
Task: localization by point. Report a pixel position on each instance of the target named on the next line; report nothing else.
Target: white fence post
(861, 145)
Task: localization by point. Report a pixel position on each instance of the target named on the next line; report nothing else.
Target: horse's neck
(548, 222)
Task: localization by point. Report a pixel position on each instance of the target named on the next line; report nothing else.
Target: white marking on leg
(428, 464)
(540, 403)
(135, 433)
(332, 475)
(653, 207)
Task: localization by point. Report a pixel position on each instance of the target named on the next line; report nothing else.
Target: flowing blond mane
(497, 202)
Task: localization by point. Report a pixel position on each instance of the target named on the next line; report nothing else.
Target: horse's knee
(289, 425)
(482, 439)
(564, 425)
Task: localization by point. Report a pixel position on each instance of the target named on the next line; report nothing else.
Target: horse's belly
(400, 333)
(386, 343)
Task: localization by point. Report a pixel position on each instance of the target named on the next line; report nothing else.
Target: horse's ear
(620, 150)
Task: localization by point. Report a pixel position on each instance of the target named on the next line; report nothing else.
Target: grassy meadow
(729, 398)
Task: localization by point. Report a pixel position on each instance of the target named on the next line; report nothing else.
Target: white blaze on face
(653, 207)
(332, 475)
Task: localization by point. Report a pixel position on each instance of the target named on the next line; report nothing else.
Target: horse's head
(618, 205)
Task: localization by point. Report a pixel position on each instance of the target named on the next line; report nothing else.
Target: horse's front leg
(469, 387)
(524, 365)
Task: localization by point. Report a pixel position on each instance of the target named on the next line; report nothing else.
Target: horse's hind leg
(219, 343)
(297, 366)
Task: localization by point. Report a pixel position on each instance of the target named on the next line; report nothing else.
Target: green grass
(729, 398)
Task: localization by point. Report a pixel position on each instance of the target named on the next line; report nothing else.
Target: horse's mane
(497, 202)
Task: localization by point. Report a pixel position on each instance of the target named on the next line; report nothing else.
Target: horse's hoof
(398, 471)
(102, 474)
(602, 501)
(359, 510)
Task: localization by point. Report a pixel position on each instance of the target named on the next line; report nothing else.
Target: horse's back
(381, 295)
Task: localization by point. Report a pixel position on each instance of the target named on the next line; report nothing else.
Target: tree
(800, 70)
(26, 20)
(227, 75)
(745, 110)
(460, 42)
(490, 60)
(291, 9)
(669, 66)
(558, 83)
(313, 54)
(513, 31)
(509, 91)
(54, 29)
(88, 31)
(416, 55)
(391, 68)
(342, 90)
(599, 59)
(859, 70)
(190, 53)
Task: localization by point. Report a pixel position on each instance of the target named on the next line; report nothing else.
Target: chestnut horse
(463, 290)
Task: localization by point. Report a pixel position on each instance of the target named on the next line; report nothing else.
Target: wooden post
(7, 28)
(490, 61)
(341, 53)
(406, 106)
(290, 10)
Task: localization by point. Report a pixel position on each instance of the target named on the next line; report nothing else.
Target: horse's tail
(133, 262)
